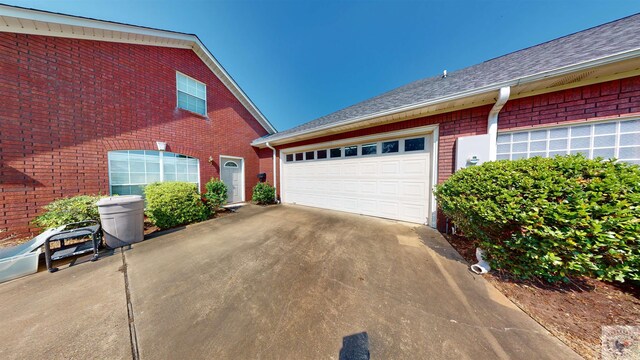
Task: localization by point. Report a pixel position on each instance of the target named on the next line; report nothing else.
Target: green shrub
(69, 210)
(264, 194)
(550, 218)
(216, 194)
(174, 203)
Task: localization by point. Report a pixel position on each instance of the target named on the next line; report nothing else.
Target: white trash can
(122, 219)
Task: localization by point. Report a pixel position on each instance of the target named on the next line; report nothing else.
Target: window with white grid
(611, 139)
(131, 170)
(192, 94)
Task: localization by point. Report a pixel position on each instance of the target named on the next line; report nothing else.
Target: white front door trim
(221, 166)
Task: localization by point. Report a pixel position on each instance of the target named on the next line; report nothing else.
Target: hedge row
(550, 217)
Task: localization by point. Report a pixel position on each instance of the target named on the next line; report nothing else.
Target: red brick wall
(64, 103)
(598, 101)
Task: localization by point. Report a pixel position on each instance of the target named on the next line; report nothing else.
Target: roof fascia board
(36, 15)
(626, 55)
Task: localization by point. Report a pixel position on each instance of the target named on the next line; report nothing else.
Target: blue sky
(299, 60)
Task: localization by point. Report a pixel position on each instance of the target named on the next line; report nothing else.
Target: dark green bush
(69, 210)
(550, 218)
(216, 194)
(264, 194)
(174, 203)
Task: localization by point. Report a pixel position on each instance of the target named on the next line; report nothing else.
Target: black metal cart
(78, 230)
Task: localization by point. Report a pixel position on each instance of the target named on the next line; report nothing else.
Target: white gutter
(275, 177)
(625, 55)
(492, 125)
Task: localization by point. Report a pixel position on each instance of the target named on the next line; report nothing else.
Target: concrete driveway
(282, 282)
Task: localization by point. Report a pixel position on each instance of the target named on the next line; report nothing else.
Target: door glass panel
(390, 147)
(538, 135)
(322, 154)
(369, 149)
(310, 155)
(335, 153)
(604, 153)
(630, 126)
(414, 144)
(558, 133)
(602, 129)
(577, 131)
(350, 151)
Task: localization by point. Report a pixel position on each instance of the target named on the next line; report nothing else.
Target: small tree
(216, 194)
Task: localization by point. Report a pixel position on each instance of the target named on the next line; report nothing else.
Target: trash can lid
(119, 200)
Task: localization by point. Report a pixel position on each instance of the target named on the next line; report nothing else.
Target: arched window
(131, 170)
(231, 164)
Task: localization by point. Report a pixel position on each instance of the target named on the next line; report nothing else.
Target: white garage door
(389, 178)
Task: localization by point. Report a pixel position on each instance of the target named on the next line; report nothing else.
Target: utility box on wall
(472, 150)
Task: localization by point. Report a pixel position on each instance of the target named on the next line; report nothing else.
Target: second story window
(192, 94)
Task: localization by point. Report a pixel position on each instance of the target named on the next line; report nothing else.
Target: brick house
(84, 103)
(576, 94)
(87, 104)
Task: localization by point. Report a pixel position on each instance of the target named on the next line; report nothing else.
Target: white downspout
(492, 126)
(275, 176)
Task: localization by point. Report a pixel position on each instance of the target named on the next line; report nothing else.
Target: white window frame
(161, 163)
(568, 138)
(194, 95)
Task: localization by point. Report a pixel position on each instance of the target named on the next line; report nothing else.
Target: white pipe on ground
(275, 179)
(492, 126)
(482, 267)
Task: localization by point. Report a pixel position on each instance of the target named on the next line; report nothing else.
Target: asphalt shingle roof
(600, 41)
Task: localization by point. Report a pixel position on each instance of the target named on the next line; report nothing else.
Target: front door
(231, 174)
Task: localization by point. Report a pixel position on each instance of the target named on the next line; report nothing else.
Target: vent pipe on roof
(275, 177)
(492, 126)
(444, 74)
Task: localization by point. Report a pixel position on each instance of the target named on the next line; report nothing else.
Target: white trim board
(221, 166)
(36, 22)
(353, 140)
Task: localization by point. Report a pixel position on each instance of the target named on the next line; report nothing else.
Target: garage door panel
(414, 167)
(414, 189)
(388, 188)
(411, 211)
(389, 168)
(367, 168)
(368, 187)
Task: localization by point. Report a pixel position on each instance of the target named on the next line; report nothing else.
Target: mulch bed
(574, 312)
